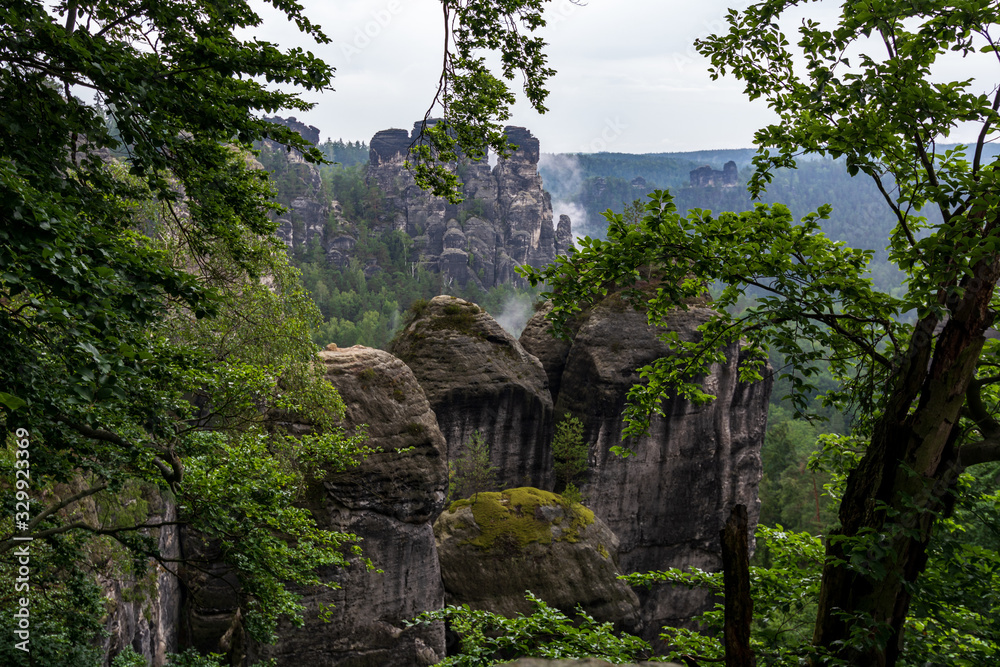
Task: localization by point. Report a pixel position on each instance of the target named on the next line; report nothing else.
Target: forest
(156, 336)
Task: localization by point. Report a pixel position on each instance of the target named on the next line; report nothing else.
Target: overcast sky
(628, 78)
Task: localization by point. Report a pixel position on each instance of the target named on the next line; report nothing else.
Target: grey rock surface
(477, 377)
(390, 500)
(568, 557)
(667, 503)
(145, 613)
(504, 220)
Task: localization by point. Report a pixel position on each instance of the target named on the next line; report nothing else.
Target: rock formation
(146, 614)
(463, 373)
(478, 378)
(495, 546)
(390, 500)
(505, 218)
(706, 177)
(308, 132)
(299, 188)
(667, 503)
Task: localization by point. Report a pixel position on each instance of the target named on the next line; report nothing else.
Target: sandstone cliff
(299, 188)
(479, 378)
(390, 501)
(667, 503)
(145, 614)
(505, 218)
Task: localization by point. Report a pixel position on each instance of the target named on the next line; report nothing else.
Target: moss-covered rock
(496, 545)
(525, 515)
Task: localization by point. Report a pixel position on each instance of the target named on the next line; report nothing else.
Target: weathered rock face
(505, 220)
(145, 614)
(495, 546)
(667, 503)
(706, 177)
(391, 500)
(299, 188)
(308, 132)
(478, 378)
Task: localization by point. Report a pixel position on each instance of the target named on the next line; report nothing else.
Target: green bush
(128, 658)
(569, 452)
(489, 639)
(471, 472)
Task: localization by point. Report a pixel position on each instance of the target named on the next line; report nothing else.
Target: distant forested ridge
(602, 181)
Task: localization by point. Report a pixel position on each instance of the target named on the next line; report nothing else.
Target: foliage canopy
(152, 331)
(868, 89)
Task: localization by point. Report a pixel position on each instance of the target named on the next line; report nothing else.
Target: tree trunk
(902, 484)
(736, 577)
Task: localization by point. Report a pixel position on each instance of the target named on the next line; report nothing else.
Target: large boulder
(495, 546)
(390, 501)
(667, 503)
(477, 377)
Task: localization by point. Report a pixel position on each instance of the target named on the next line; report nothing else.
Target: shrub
(569, 451)
(471, 472)
(488, 638)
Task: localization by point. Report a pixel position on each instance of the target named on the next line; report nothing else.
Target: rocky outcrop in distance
(667, 503)
(299, 187)
(505, 219)
(706, 177)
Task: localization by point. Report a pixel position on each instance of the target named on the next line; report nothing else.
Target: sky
(628, 78)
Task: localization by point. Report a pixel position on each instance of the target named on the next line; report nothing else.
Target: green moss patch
(458, 317)
(515, 515)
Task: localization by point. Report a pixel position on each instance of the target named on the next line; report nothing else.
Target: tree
(150, 328)
(569, 451)
(866, 91)
(475, 103)
(154, 339)
(471, 472)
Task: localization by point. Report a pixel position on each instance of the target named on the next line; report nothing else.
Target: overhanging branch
(984, 451)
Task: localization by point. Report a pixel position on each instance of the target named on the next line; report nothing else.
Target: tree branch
(984, 451)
